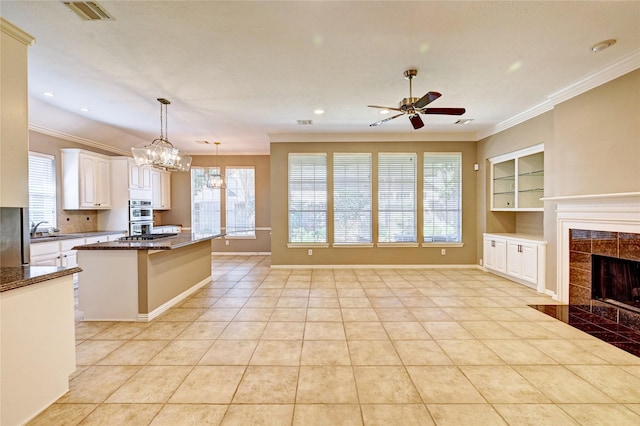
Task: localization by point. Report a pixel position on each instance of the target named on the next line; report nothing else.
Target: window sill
(352, 245)
(445, 245)
(398, 245)
(240, 237)
(307, 245)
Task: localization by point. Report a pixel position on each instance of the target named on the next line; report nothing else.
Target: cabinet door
(69, 258)
(88, 178)
(103, 183)
(156, 189)
(165, 178)
(145, 177)
(46, 260)
(134, 175)
(514, 259)
(529, 257)
(500, 255)
(489, 254)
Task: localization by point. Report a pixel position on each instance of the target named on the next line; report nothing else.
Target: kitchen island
(139, 280)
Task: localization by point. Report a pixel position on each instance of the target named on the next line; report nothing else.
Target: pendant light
(215, 180)
(161, 153)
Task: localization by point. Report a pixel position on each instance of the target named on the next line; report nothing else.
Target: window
(307, 198)
(42, 189)
(241, 202)
(442, 201)
(351, 198)
(205, 202)
(397, 198)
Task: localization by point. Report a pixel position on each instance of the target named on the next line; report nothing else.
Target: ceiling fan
(414, 106)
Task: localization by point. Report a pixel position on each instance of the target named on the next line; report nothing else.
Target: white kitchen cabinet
(517, 180)
(139, 176)
(518, 257)
(86, 180)
(45, 254)
(161, 189)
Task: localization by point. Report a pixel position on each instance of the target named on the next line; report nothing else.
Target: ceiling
(243, 73)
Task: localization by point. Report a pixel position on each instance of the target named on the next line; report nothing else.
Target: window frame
(50, 218)
(354, 180)
(248, 234)
(200, 186)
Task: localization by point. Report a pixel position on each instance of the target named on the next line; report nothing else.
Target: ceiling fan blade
(427, 99)
(416, 121)
(384, 107)
(445, 111)
(377, 123)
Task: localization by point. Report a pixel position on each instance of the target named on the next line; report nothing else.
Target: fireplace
(616, 281)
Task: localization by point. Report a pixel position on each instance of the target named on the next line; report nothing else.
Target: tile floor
(348, 347)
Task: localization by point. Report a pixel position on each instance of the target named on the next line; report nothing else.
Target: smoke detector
(89, 10)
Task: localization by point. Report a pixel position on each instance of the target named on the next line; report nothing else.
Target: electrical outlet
(226, 243)
(443, 252)
(310, 252)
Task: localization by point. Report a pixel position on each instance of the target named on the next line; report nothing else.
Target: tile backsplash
(71, 221)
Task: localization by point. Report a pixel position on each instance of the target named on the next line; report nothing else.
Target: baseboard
(422, 266)
(171, 303)
(240, 253)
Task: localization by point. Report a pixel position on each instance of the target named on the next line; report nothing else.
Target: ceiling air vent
(89, 10)
(304, 122)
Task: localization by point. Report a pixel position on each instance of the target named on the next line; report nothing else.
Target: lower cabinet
(521, 258)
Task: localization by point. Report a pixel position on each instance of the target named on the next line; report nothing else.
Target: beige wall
(281, 255)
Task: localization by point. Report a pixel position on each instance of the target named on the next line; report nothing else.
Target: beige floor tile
(292, 302)
(327, 415)
(602, 414)
(283, 331)
(121, 331)
(448, 301)
(198, 302)
(289, 314)
(230, 302)
(324, 293)
(326, 385)
(391, 414)
(634, 407)
(324, 314)
(152, 384)
(561, 385)
(91, 351)
(421, 352)
(365, 331)
(324, 331)
(325, 352)
(264, 415)
(469, 352)
(566, 352)
(385, 302)
(202, 330)
(406, 331)
(465, 314)
(267, 385)
(487, 330)
(446, 330)
(302, 292)
(182, 352)
(254, 314)
(608, 352)
(88, 329)
(359, 315)
(229, 352)
(218, 314)
(182, 314)
(248, 330)
(277, 352)
(209, 385)
(503, 385)
(63, 415)
(385, 385)
(190, 415)
(529, 330)
(444, 385)
(518, 352)
(373, 352)
(614, 381)
(134, 352)
(395, 314)
(358, 292)
(262, 302)
(324, 302)
(633, 369)
(96, 383)
(430, 314)
(499, 314)
(354, 302)
(162, 330)
(122, 414)
(464, 414)
(534, 414)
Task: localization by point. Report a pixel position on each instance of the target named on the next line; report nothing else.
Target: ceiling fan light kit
(413, 106)
(161, 153)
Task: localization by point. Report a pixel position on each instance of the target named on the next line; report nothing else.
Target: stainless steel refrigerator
(14, 236)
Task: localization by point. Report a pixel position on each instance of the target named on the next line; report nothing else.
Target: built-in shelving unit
(517, 180)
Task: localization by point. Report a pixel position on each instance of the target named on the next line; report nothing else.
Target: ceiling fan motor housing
(407, 102)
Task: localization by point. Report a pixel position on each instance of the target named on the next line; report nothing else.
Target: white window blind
(442, 201)
(307, 190)
(42, 189)
(351, 198)
(397, 197)
(241, 202)
(205, 202)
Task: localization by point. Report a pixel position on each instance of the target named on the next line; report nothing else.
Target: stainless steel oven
(140, 210)
(140, 228)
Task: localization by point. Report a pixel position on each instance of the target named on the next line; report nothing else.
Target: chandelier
(161, 153)
(215, 180)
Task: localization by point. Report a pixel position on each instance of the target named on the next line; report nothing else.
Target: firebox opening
(616, 281)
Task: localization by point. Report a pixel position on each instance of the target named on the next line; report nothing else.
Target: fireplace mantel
(601, 212)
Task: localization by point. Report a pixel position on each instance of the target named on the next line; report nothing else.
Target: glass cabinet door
(531, 181)
(504, 184)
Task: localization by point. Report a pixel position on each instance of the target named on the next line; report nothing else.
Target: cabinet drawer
(44, 248)
(100, 239)
(66, 245)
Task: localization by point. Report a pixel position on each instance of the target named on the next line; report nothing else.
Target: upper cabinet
(139, 176)
(86, 180)
(517, 180)
(161, 189)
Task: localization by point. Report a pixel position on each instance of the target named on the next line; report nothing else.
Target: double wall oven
(140, 217)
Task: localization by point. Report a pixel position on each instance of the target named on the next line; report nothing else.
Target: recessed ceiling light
(84, 109)
(599, 47)
(384, 111)
(318, 111)
(48, 94)
(464, 121)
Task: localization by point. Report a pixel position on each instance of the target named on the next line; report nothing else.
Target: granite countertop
(12, 277)
(59, 237)
(168, 243)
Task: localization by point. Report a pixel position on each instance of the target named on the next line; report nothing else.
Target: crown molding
(371, 137)
(76, 139)
(11, 30)
(528, 114)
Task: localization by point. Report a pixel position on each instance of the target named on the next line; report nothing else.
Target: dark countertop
(60, 237)
(12, 277)
(168, 243)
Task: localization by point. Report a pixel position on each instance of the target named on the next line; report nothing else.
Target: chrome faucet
(34, 228)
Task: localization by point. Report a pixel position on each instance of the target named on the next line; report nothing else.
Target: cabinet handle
(493, 243)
